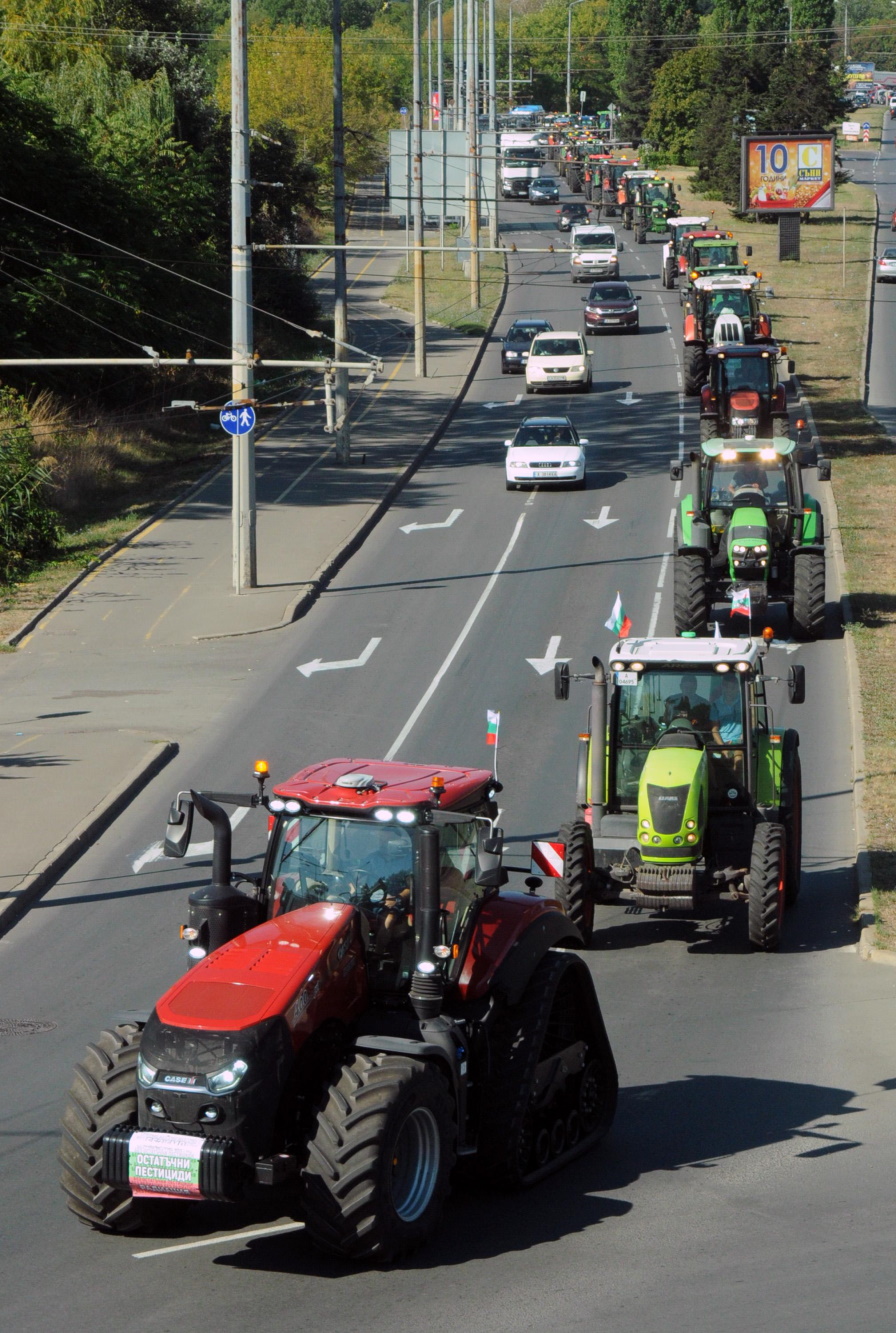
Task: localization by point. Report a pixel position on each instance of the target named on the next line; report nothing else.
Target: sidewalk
(146, 648)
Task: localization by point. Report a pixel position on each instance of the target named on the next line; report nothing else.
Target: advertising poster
(795, 174)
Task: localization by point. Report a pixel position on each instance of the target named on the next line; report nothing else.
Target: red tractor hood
(745, 400)
(306, 966)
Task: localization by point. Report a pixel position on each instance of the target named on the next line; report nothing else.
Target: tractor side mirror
(490, 874)
(749, 250)
(823, 470)
(791, 366)
(676, 469)
(561, 680)
(180, 826)
(796, 684)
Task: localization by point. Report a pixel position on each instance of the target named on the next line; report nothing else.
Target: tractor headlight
(228, 1078)
(645, 837)
(761, 550)
(690, 823)
(645, 823)
(692, 837)
(739, 550)
(146, 1073)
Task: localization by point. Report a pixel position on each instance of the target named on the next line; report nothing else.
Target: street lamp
(572, 5)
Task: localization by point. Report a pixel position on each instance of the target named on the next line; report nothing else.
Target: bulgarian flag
(493, 722)
(619, 622)
(740, 603)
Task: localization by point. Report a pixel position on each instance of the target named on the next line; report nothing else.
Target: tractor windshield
(712, 256)
(751, 373)
(729, 483)
(647, 703)
(737, 302)
(657, 194)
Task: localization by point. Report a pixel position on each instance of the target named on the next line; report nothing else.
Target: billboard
(792, 174)
(445, 167)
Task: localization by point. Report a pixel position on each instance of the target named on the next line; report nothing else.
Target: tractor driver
(689, 704)
(749, 477)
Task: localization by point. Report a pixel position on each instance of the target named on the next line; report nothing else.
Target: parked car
(546, 451)
(612, 306)
(517, 340)
(558, 360)
(544, 190)
(570, 214)
(886, 265)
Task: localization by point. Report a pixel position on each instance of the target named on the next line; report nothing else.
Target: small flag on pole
(619, 622)
(493, 721)
(740, 603)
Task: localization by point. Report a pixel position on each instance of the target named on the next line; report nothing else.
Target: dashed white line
(671, 528)
(220, 1240)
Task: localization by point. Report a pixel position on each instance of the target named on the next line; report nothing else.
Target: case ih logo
(180, 1080)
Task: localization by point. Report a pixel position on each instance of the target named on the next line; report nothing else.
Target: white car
(595, 252)
(886, 265)
(545, 450)
(558, 361)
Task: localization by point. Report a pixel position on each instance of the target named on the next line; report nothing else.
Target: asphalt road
(746, 1184)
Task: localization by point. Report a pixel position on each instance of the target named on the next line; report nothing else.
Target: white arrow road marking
(545, 664)
(787, 644)
(155, 853)
(490, 407)
(308, 668)
(604, 521)
(423, 527)
(629, 400)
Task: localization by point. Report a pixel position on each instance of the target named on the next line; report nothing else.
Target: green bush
(29, 528)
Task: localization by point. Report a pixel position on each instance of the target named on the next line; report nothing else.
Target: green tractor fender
(673, 798)
(694, 533)
(813, 523)
(769, 755)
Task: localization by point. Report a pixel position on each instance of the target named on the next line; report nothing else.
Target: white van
(595, 252)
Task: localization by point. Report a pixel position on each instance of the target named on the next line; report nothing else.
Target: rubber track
(808, 595)
(764, 908)
(346, 1210)
(689, 594)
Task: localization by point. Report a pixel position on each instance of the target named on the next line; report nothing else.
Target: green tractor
(710, 255)
(686, 792)
(653, 205)
(749, 534)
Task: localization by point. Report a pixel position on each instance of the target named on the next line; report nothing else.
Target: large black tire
(768, 875)
(552, 1015)
(575, 891)
(640, 235)
(626, 219)
(709, 426)
(792, 815)
(668, 272)
(696, 369)
(808, 595)
(780, 427)
(380, 1159)
(103, 1095)
(690, 599)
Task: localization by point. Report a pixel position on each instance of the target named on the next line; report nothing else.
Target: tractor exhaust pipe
(218, 911)
(598, 744)
(428, 983)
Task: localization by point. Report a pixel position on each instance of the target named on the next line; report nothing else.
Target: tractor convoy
(375, 1014)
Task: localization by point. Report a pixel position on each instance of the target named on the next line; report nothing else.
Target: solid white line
(663, 567)
(220, 1240)
(654, 615)
(457, 645)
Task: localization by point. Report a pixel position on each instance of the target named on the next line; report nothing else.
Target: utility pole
(510, 58)
(417, 181)
(473, 142)
(458, 36)
(342, 435)
(493, 120)
(242, 378)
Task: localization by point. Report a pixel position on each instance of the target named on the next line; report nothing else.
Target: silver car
(886, 265)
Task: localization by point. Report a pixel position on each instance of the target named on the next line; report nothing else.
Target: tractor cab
(710, 253)
(726, 310)
(743, 398)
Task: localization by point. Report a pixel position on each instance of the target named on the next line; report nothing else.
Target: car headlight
(228, 1078)
(146, 1073)
(511, 354)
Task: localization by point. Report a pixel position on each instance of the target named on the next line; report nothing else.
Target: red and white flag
(493, 722)
(619, 622)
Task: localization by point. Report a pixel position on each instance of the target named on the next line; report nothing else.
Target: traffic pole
(473, 142)
(340, 282)
(417, 206)
(242, 378)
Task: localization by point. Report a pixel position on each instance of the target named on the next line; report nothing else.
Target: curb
(83, 835)
(867, 928)
(304, 600)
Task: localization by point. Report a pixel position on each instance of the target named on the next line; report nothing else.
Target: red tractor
(367, 1011)
(744, 397)
(724, 309)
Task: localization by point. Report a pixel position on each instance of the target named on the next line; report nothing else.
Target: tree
(682, 92)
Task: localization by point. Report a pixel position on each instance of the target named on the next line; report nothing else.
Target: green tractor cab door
(673, 798)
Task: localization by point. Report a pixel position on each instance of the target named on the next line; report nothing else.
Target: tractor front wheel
(575, 891)
(808, 595)
(668, 272)
(690, 601)
(768, 876)
(102, 1096)
(640, 235)
(696, 369)
(709, 426)
(380, 1158)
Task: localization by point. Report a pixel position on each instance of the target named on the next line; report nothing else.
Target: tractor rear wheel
(103, 1095)
(668, 272)
(792, 815)
(696, 369)
(521, 1132)
(380, 1158)
(575, 891)
(768, 876)
(690, 601)
(640, 235)
(808, 595)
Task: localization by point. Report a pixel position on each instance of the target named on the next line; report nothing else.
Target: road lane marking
(220, 1240)
(347, 663)
(654, 616)
(670, 532)
(603, 521)
(302, 475)
(547, 663)
(425, 527)
(155, 851)
(155, 624)
(457, 645)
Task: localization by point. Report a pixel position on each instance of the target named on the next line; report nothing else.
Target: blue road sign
(402, 111)
(866, 124)
(237, 418)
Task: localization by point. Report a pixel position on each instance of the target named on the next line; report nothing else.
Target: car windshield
(594, 240)
(745, 373)
(524, 332)
(544, 181)
(889, 253)
(730, 483)
(610, 291)
(540, 437)
(556, 347)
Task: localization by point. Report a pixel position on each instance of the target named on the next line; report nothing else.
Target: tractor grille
(661, 886)
(667, 806)
(744, 428)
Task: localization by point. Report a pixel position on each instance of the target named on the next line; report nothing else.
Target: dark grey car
(544, 190)
(516, 343)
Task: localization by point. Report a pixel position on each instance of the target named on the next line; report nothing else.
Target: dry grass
(448, 289)
(820, 309)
